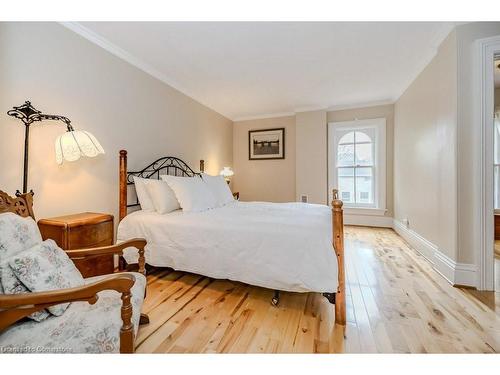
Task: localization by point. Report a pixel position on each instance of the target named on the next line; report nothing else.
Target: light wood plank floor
(395, 303)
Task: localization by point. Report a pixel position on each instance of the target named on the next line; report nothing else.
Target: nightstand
(82, 231)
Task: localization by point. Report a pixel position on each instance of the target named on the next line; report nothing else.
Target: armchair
(104, 314)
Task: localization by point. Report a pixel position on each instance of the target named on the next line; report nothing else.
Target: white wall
(425, 151)
(311, 156)
(264, 180)
(62, 73)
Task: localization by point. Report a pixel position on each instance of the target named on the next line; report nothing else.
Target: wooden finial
(336, 202)
(335, 193)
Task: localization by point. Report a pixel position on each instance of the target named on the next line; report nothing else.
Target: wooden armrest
(121, 282)
(138, 243)
(14, 307)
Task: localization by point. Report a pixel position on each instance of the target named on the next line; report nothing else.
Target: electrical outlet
(406, 222)
(303, 198)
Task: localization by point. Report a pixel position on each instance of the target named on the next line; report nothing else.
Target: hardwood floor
(395, 303)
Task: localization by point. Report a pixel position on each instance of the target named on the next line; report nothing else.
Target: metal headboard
(167, 165)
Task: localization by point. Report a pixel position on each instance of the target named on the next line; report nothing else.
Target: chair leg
(144, 319)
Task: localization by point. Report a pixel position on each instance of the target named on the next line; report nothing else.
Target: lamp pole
(26, 150)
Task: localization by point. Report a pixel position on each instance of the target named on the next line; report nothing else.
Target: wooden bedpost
(123, 184)
(338, 245)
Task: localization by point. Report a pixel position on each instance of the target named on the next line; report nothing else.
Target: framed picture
(266, 144)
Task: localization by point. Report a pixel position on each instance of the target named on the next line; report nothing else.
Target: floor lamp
(70, 146)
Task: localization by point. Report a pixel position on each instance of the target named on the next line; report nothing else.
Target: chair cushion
(17, 234)
(83, 328)
(46, 267)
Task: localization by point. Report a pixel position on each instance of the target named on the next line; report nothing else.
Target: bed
(293, 247)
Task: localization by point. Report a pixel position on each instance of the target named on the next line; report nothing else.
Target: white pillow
(192, 193)
(219, 188)
(162, 196)
(142, 193)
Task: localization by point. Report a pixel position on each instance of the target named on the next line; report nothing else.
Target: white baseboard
(445, 266)
(368, 220)
(422, 245)
(455, 273)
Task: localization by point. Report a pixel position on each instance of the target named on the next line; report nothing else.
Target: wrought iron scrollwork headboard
(167, 165)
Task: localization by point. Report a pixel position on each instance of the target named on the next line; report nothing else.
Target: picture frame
(266, 144)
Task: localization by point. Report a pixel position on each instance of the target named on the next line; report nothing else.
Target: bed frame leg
(276, 298)
(330, 297)
(144, 319)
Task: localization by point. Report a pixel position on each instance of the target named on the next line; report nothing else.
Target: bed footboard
(338, 246)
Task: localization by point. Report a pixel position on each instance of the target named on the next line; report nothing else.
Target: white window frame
(379, 168)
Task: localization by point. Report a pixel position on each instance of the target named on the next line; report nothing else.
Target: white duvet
(284, 246)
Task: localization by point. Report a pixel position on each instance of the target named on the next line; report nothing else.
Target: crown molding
(309, 109)
(112, 48)
(264, 116)
(360, 105)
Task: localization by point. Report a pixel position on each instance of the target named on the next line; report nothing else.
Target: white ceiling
(252, 69)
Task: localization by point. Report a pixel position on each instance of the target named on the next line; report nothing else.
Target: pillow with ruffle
(10, 284)
(46, 267)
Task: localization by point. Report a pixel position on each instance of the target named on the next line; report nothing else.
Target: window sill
(364, 211)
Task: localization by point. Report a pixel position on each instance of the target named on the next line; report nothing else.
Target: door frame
(486, 49)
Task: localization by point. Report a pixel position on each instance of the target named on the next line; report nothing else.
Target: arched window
(357, 162)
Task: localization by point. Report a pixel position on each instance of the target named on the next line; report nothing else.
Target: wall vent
(303, 198)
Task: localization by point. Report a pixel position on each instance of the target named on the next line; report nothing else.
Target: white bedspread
(284, 246)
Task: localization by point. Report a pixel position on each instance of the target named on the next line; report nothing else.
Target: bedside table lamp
(70, 146)
(227, 172)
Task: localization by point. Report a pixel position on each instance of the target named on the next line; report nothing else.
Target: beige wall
(469, 142)
(311, 153)
(424, 151)
(381, 111)
(264, 180)
(60, 72)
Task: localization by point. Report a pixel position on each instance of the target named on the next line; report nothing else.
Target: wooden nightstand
(82, 231)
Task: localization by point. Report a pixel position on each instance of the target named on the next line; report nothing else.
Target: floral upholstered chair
(46, 305)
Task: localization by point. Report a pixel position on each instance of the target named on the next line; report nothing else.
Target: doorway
(496, 174)
(488, 175)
